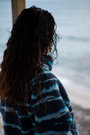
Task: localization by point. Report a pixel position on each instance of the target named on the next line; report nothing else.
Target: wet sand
(82, 117)
(80, 99)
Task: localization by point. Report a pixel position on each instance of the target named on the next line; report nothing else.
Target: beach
(80, 100)
(82, 117)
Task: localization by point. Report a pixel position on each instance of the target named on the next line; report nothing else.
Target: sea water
(73, 25)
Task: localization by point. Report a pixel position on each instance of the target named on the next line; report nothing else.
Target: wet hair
(32, 33)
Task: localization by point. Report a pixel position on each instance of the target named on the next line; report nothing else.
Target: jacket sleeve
(56, 119)
(73, 127)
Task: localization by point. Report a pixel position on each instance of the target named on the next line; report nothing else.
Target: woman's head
(32, 35)
(36, 30)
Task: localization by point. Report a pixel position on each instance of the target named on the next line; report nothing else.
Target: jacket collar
(48, 62)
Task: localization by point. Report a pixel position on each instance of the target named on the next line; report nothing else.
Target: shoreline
(78, 93)
(79, 97)
(82, 118)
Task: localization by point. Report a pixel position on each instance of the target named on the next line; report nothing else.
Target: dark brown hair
(31, 35)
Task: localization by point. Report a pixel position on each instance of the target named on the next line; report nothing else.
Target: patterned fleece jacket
(58, 119)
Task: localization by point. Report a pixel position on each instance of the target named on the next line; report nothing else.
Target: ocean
(73, 25)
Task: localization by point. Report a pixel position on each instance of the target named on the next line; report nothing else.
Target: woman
(33, 100)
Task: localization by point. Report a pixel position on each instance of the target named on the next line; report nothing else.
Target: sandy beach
(80, 100)
(82, 117)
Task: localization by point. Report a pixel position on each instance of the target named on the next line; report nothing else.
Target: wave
(83, 39)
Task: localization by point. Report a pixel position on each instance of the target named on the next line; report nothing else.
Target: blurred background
(73, 69)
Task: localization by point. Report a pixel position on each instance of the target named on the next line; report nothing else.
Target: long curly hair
(32, 33)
